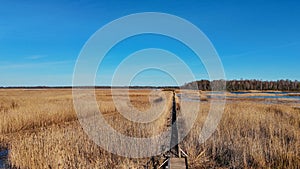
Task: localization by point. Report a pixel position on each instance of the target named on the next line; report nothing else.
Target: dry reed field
(249, 135)
(41, 130)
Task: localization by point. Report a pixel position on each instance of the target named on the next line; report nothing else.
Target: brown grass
(41, 130)
(249, 136)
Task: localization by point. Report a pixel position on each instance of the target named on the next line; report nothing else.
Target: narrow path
(175, 159)
(174, 133)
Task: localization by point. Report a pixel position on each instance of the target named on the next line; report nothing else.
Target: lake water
(260, 92)
(277, 95)
(3, 158)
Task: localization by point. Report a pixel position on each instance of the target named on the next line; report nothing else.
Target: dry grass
(41, 130)
(249, 136)
(32, 110)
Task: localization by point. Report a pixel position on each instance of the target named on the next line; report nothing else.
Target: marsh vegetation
(40, 128)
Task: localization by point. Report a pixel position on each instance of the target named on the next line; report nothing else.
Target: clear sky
(40, 40)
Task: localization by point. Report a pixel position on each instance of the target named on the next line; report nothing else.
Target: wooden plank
(177, 163)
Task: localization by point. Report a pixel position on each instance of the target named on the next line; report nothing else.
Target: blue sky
(41, 40)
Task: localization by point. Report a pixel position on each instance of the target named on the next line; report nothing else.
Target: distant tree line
(237, 85)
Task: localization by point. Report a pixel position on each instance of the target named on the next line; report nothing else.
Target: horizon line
(133, 86)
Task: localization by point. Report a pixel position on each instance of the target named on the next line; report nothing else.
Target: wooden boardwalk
(174, 158)
(177, 163)
(174, 131)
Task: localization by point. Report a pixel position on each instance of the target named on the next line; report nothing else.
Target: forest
(239, 85)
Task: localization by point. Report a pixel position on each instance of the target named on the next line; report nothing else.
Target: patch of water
(285, 96)
(260, 92)
(3, 159)
(277, 95)
(274, 97)
(240, 92)
(216, 92)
